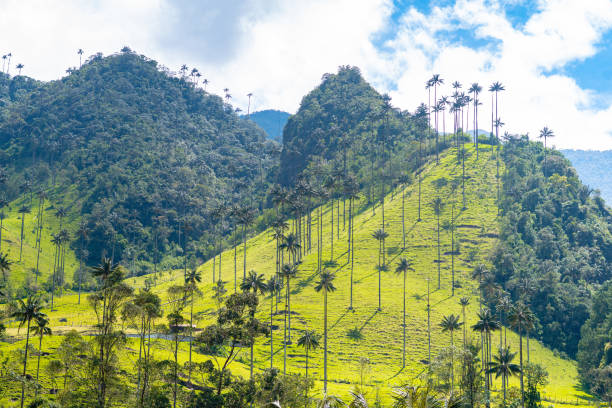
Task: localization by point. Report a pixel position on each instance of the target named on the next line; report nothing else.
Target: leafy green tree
(404, 265)
(5, 267)
(26, 311)
(325, 285)
(112, 294)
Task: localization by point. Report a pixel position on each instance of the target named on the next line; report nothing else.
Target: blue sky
(554, 56)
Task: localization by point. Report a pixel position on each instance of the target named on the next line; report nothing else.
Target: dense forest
(148, 153)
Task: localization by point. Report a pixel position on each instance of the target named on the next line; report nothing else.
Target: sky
(554, 57)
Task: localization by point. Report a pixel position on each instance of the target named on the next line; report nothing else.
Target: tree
(246, 216)
(23, 210)
(256, 284)
(287, 272)
(41, 329)
(475, 89)
(522, 319)
(273, 287)
(310, 341)
(175, 320)
(486, 324)
(502, 366)
(438, 206)
(436, 81)
(5, 267)
(193, 278)
(292, 246)
(80, 52)
(236, 325)
(545, 134)
(19, 67)
(451, 323)
(112, 293)
(380, 235)
(325, 285)
(404, 265)
(26, 311)
(464, 302)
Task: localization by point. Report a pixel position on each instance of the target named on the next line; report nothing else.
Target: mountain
(592, 167)
(271, 121)
(144, 154)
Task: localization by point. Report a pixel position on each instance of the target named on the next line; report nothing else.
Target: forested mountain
(148, 152)
(271, 121)
(344, 121)
(593, 167)
(555, 243)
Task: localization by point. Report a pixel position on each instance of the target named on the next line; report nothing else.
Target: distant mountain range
(271, 121)
(593, 168)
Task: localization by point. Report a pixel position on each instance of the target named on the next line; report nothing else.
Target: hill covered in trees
(271, 121)
(146, 153)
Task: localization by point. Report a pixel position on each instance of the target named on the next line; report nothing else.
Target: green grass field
(363, 331)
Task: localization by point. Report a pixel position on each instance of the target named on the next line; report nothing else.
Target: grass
(364, 331)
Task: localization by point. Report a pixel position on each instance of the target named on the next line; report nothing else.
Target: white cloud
(278, 49)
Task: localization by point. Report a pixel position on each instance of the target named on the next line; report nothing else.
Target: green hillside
(364, 331)
(271, 121)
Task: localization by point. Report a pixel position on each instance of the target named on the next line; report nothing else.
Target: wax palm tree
(80, 52)
(464, 302)
(330, 401)
(292, 246)
(449, 324)
(26, 311)
(409, 396)
(522, 320)
(545, 134)
(326, 285)
(502, 366)
(19, 67)
(404, 265)
(436, 81)
(23, 210)
(41, 329)
(5, 267)
(380, 235)
(310, 341)
(246, 216)
(496, 87)
(288, 272)
(273, 287)
(475, 89)
(486, 324)
(438, 206)
(253, 282)
(192, 279)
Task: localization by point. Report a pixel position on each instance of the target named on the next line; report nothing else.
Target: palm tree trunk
(325, 344)
(352, 245)
(190, 334)
(289, 313)
(403, 220)
(452, 362)
(379, 270)
(438, 232)
(332, 229)
(21, 243)
(404, 323)
(25, 363)
(521, 361)
(285, 337)
(271, 329)
(244, 251)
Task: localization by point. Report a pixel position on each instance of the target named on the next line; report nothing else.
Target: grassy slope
(381, 340)
(20, 271)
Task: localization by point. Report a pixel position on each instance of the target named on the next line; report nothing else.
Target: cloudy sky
(553, 56)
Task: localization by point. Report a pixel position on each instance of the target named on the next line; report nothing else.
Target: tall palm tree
(326, 285)
(23, 210)
(486, 324)
(475, 89)
(19, 67)
(404, 265)
(545, 134)
(436, 81)
(246, 217)
(80, 52)
(287, 272)
(451, 323)
(464, 302)
(438, 206)
(26, 311)
(5, 267)
(380, 236)
(496, 87)
(83, 234)
(310, 341)
(522, 319)
(253, 282)
(41, 329)
(192, 279)
(273, 287)
(292, 246)
(502, 366)
(205, 82)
